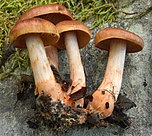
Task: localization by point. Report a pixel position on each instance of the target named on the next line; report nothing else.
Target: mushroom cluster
(43, 30)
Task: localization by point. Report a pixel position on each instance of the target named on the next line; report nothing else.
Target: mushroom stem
(43, 75)
(114, 70)
(76, 68)
(107, 93)
(52, 55)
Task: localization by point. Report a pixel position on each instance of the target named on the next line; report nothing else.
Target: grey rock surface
(137, 84)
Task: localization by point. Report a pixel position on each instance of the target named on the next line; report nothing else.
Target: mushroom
(34, 34)
(74, 35)
(117, 42)
(54, 13)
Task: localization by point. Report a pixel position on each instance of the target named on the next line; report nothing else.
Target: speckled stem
(43, 75)
(76, 68)
(106, 95)
(114, 70)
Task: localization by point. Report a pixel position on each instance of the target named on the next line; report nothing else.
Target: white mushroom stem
(43, 75)
(52, 55)
(114, 70)
(76, 68)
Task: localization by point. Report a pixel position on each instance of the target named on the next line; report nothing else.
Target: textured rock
(137, 84)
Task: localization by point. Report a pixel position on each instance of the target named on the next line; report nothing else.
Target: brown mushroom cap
(45, 29)
(82, 32)
(54, 13)
(104, 37)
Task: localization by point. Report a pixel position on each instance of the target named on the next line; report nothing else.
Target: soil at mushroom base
(61, 122)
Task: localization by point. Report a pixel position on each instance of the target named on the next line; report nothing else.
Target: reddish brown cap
(82, 32)
(104, 37)
(46, 29)
(54, 13)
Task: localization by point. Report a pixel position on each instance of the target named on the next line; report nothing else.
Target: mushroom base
(61, 117)
(59, 113)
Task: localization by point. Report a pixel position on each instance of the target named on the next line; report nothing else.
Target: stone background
(137, 84)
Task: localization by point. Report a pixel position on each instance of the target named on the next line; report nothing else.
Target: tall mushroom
(74, 35)
(34, 34)
(117, 42)
(54, 13)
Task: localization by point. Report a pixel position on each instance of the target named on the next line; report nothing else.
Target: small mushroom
(54, 13)
(117, 42)
(34, 34)
(74, 35)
